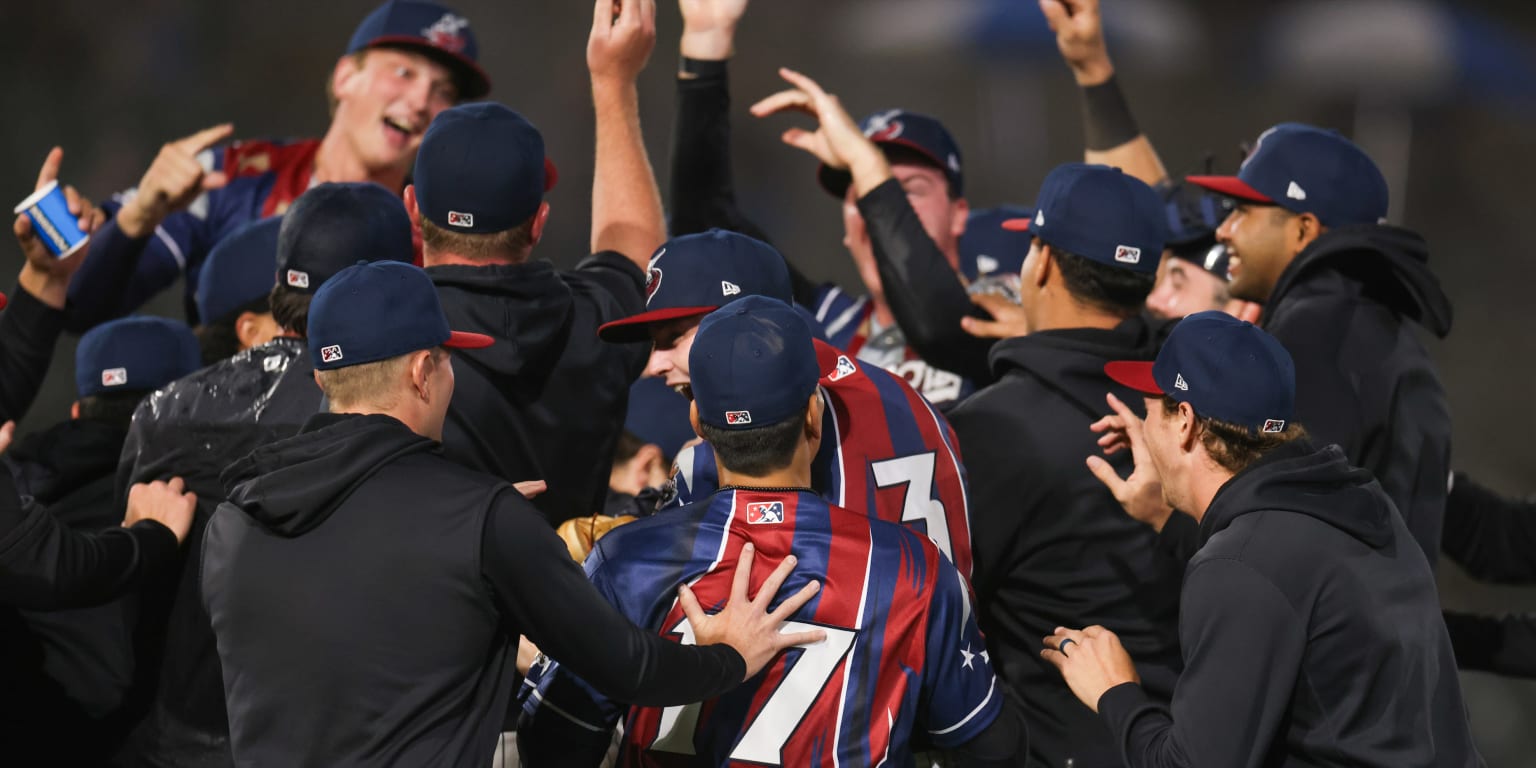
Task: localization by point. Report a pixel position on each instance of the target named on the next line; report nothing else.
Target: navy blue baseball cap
(893, 128)
(336, 224)
(138, 354)
(1308, 170)
(1099, 213)
(374, 311)
(430, 29)
(753, 364)
(481, 169)
(694, 275)
(1225, 368)
(987, 248)
(238, 271)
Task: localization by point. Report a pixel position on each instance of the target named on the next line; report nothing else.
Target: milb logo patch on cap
(738, 417)
(330, 354)
(457, 219)
(765, 513)
(114, 377)
(1128, 254)
(1274, 425)
(298, 279)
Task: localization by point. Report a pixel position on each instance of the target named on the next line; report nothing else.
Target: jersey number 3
(916, 473)
(767, 734)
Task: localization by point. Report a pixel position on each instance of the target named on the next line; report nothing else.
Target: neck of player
(796, 475)
(336, 162)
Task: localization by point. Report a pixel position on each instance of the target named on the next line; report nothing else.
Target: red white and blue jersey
(847, 322)
(265, 177)
(885, 451)
(903, 667)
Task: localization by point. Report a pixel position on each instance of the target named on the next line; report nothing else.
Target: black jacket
(547, 400)
(1494, 539)
(367, 595)
(1051, 546)
(28, 331)
(195, 428)
(1363, 379)
(1311, 631)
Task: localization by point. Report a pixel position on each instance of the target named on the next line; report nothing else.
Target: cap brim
(1017, 225)
(3, 301)
(637, 327)
(472, 81)
(1231, 186)
(1134, 374)
(551, 174)
(465, 340)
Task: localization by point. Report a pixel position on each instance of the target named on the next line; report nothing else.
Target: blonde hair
(514, 243)
(375, 384)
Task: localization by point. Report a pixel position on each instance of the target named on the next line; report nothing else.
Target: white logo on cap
(845, 368)
(954, 162)
(298, 279)
(884, 126)
(272, 363)
(728, 288)
(114, 377)
(330, 354)
(1295, 192)
(447, 32)
(738, 417)
(1274, 425)
(457, 219)
(1179, 383)
(1127, 254)
(1039, 218)
(986, 264)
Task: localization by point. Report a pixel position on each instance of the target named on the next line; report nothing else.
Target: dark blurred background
(1442, 94)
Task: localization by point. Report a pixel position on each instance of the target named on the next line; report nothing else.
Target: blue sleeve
(694, 477)
(961, 694)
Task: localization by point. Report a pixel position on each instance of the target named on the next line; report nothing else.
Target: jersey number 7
(767, 734)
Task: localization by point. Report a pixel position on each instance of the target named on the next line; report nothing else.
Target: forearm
(45, 565)
(1503, 645)
(1111, 136)
(921, 287)
(1493, 537)
(99, 290)
(29, 330)
(703, 190)
(626, 204)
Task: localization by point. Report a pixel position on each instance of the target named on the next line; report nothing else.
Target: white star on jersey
(966, 652)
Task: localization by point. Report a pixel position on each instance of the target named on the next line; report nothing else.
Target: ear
(344, 75)
(421, 368)
(411, 208)
(74, 410)
(1047, 262)
(246, 329)
(693, 418)
(813, 416)
(1308, 228)
(1189, 432)
(539, 220)
(959, 214)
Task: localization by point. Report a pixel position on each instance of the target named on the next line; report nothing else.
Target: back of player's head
(481, 172)
(693, 275)
(754, 370)
(327, 229)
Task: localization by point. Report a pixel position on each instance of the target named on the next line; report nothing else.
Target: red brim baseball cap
(1135, 374)
(638, 327)
(1231, 186)
(467, 340)
(3, 301)
(1016, 225)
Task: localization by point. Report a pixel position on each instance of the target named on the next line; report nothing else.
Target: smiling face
(385, 99)
(671, 341)
(1262, 240)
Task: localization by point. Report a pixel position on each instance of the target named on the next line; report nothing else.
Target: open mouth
(683, 389)
(405, 130)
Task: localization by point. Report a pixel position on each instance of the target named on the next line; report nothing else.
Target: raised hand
(1141, 494)
(44, 275)
(709, 28)
(172, 182)
(1080, 38)
(623, 36)
(745, 623)
(837, 140)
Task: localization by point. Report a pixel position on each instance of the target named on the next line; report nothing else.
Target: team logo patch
(298, 279)
(954, 163)
(1274, 425)
(114, 377)
(457, 219)
(330, 354)
(1127, 254)
(845, 368)
(1295, 192)
(884, 126)
(738, 417)
(765, 512)
(446, 33)
(1179, 383)
(652, 282)
(986, 265)
(728, 288)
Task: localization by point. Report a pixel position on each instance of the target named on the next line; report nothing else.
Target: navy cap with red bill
(430, 29)
(1305, 169)
(899, 129)
(374, 311)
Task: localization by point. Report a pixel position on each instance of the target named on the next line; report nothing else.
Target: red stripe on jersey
(292, 164)
(948, 478)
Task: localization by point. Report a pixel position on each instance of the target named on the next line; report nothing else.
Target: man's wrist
(715, 44)
(1094, 71)
(47, 288)
(133, 222)
(869, 169)
(689, 68)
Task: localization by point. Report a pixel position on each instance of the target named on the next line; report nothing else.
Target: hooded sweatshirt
(1363, 379)
(547, 400)
(367, 595)
(1051, 546)
(1311, 632)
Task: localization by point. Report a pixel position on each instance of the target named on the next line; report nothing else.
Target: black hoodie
(1363, 379)
(367, 595)
(1311, 631)
(547, 400)
(1051, 546)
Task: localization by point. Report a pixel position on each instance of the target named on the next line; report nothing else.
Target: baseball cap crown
(753, 364)
(337, 224)
(695, 274)
(238, 270)
(134, 354)
(431, 29)
(481, 169)
(1305, 169)
(898, 128)
(1101, 214)
(375, 311)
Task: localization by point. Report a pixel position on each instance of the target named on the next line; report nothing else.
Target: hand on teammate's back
(623, 36)
(1080, 38)
(1091, 660)
(1007, 320)
(172, 182)
(44, 275)
(709, 28)
(745, 623)
(1141, 494)
(167, 503)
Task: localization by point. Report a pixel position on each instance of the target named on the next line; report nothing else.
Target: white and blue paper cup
(52, 221)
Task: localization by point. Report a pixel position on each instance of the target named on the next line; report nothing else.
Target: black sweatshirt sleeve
(29, 330)
(1503, 645)
(1226, 710)
(923, 290)
(548, 598)
(1180, 537)
(1492, 537)
(703, 191)
(44, 565)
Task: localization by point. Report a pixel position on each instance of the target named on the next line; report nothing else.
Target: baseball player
(891, 454)
(406, 61)
(902, 664)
